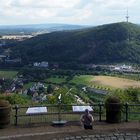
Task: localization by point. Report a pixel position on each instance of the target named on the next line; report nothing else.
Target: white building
(44, 64)
(122, 67)
(41, 64)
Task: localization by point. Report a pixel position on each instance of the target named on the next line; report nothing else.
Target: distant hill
(36, 28)
(111, 43)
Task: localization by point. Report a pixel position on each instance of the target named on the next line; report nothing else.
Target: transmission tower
(127, 16)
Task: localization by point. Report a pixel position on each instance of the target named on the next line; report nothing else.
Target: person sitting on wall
(87, 120)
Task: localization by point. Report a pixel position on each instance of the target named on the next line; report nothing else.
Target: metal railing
(65, 112)
(131, 112)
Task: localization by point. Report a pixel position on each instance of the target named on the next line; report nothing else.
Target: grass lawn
(114, 82)
(56, 80)
(82, 79)
(30, 84)
(8, 74)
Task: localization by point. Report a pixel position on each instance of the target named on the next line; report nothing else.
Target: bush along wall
(113, 109)
(5, 110)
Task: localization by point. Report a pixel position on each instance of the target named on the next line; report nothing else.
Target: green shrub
(5, 110)
(130, 95)
(4, 103)
(113, 109)
(133, 94)
(15, 99)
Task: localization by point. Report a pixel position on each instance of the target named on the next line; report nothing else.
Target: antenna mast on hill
(127, 16)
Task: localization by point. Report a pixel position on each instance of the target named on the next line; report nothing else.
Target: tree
(133, 94)
(67, 96)
(50, 89)
(4, 84)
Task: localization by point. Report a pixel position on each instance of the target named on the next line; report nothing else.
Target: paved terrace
(101, 131)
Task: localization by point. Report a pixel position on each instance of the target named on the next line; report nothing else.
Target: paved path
(74, 136)
(109, 136)
(101, 131)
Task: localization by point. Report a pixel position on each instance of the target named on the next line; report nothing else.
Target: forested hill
(36, 28)
(111, 43)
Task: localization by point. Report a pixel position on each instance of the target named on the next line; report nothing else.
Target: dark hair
(86, 110)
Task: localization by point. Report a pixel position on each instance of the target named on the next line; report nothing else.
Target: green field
(101, 82)
(26, 86)
(105, 82)
(82, 79)
(56, 80)
(8, 74)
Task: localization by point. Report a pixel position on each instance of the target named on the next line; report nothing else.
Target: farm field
(101, 82)
(114, 82)
(82, 79)
(7, 74)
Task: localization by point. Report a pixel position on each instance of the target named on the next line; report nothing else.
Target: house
(12, 61)
(123, 68)
(36, 64)
(3, 57)
(42, 64)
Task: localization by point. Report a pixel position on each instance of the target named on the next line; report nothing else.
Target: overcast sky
(83, 12)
